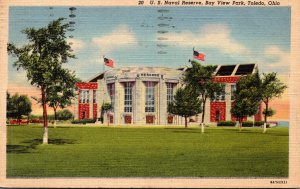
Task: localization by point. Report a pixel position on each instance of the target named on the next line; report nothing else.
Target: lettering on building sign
(111, 77)
(149, 75)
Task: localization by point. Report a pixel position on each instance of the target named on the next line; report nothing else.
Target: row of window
(221, 95)
(84, 95)
(150, 95)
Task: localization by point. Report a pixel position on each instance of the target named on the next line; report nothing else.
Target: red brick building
(229, 75)
(139, 95)
(87, 103)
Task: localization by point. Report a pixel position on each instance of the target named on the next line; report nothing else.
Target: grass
(147, 152)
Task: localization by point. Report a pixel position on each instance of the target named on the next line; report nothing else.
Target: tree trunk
(108, 119)
(203, 115)
(45, 136)
(185, 122)
(241, 123)
(203, 110)
(55, 116)
(265, 117)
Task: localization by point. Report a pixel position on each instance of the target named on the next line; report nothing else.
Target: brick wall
(217, 106)
(227, 79)
(84, 108)
(95, 111)
(90, 85)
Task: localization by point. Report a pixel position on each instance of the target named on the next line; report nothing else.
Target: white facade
(139, 95)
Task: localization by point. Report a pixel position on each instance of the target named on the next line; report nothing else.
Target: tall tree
(46, 51)
(62, 92)
(201, 79)
(18, 105)
(272, 88)
(247, 97)
(186, 103)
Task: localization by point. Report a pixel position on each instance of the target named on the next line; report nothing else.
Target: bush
(245, 123)
(248, 123)
(64, 114)
(83, 121)
(256, 123)
(226, 123)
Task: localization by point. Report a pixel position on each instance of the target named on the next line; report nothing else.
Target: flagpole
(103, 64)
(193, 54)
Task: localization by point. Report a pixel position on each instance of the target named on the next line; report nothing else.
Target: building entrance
(217, 116)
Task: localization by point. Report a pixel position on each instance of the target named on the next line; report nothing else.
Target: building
(139, 95)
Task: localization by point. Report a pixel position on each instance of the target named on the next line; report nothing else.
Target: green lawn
(147, 152)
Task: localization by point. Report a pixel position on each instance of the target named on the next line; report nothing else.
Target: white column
(138, 102)
(228, 101)
(117, 113)
(90, 103)
(207, 112)
(162, 103)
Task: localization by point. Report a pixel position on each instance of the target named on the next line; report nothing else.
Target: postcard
(150, 94)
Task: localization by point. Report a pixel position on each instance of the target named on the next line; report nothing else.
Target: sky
(163, 36)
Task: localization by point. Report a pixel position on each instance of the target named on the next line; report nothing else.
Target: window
(111, 92)
(170, 92)
(84, 96)
(94, 96)
(80, 96)
(221, 96)
(150, 96)
(233, 91)
(128, 97)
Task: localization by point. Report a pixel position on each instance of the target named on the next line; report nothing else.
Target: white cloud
(120, 37)
(276, 59)
(76, 44)
(210, 36)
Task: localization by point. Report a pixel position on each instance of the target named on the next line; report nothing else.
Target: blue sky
(129, 36)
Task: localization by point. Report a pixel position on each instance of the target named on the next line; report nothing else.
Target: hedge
(83, 121)
(256, 123)
(226, 123)
(245, 123)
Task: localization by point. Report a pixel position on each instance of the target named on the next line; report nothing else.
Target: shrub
(256, 123)
(247, 123)
(226, 123)
(83, 121)
(64, 114)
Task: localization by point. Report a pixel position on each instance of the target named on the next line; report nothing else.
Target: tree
(9, 106)
(200, 78)
(64, 114)
(18, 105)
(271, 88)
(46, 51)
(186, 103)
(106, 108)
(269, 113)
(62, 92)
(247, 97)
